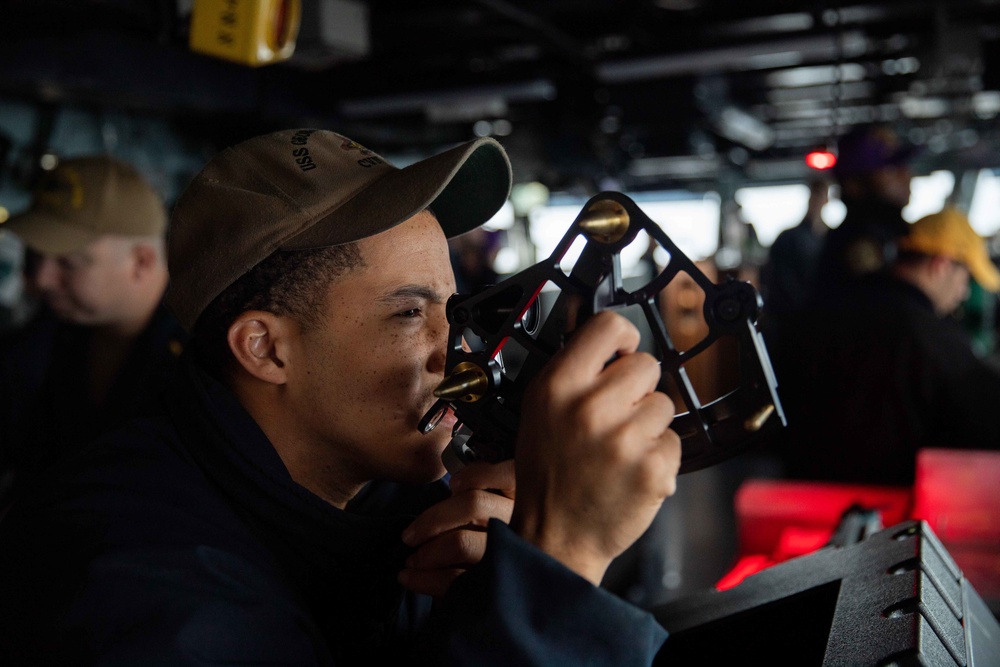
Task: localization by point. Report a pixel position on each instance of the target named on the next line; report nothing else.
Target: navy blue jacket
(875, 377)
(181, 539)
(864, 244)
(44, 409)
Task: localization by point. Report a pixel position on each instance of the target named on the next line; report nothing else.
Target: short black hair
(292, 283)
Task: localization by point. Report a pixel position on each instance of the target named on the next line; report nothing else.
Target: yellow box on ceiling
(249, 32)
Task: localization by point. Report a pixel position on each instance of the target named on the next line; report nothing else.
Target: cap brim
(985, 273)
(48, 234)
(464, 186)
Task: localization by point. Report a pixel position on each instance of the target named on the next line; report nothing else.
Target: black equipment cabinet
(894, 599)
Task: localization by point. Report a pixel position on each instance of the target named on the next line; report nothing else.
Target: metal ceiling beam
(763, 55)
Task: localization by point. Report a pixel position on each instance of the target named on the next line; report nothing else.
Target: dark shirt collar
(873, 211)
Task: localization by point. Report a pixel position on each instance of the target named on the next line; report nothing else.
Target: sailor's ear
(258, 341)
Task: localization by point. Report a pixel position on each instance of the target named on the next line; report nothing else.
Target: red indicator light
(821, 159)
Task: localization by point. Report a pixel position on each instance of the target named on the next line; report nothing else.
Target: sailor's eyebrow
(408, 292)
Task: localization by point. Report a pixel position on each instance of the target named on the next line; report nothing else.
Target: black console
(894, 599)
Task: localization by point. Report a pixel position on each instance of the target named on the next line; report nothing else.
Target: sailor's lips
(448, 420)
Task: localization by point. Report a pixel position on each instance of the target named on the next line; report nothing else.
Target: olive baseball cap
(85, 198)
(949, 234)
(303, 189)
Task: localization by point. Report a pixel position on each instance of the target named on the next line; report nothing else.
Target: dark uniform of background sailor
(885, 370)
(102, 346)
